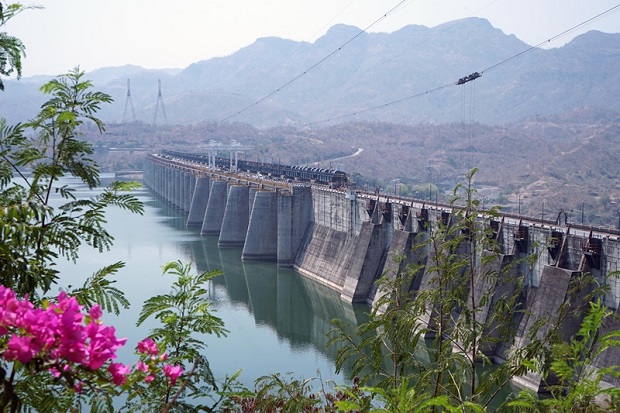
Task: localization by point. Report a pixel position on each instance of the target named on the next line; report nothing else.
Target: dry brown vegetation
(569, 162)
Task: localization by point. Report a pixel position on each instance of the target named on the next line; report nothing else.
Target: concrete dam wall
(347, 239)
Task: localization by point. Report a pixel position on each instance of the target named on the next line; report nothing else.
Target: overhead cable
(330, 55)
(272, 68)
(551, 39)
(469, 77)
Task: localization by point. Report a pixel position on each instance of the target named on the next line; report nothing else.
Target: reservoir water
(278, 320)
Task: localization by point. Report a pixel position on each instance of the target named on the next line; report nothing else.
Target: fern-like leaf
(99, 289)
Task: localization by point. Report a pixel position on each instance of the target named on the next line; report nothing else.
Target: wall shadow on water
(173, 217)
(298, 310)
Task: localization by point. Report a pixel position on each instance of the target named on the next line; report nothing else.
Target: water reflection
(234, 278)
(297, 310)
(277, 319)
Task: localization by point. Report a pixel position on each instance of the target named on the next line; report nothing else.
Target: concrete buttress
(187, 191)
(216, 204)
(367, 259)
(261, 241)
(199, 202)
(294, 219)
(236, 217)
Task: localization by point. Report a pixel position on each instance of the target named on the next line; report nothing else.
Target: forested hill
(374, 69)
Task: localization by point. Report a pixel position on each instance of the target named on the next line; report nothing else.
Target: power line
(435, 34)
(551, 39)
(272, 68)
(470, 77)
(383, 105)
(330, 55)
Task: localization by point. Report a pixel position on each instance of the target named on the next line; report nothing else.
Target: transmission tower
(129, 102)
(160, 99)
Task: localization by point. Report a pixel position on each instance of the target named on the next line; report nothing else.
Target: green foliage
(278, 394)
(33, 234)
(11, 48)
(275, 393)
(183, 311)
(98, 289)
(579, 387)
(184, 315)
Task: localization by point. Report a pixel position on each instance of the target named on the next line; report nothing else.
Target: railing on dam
(525, 219)
(286, 185)
(204, 170)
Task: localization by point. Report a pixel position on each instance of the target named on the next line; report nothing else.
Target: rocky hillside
(374, 69)
(545, 164)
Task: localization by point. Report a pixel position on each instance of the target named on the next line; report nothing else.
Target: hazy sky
(173, 34)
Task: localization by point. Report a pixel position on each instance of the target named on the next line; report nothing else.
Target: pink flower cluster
(148, 348)
(59, 336)
(58, 333)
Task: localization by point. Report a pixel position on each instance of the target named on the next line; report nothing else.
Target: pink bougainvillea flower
(102, 344)
(119, 373)
(60, 336)
(173, 373)
(147, 346)
(95, 312)
(141, 366)
(21, 348)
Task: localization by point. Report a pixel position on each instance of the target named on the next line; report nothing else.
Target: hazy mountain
(370, 71)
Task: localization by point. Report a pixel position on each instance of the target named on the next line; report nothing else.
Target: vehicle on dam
(329, 177)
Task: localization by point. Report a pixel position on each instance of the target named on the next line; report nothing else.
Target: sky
(158, 34)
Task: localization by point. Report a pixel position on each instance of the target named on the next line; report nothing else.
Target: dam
(346, 239)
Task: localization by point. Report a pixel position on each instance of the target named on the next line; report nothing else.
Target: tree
(579, 387)
(182, 313)
(459, 308)
(35, 231)
(11, 48)
(32, 231)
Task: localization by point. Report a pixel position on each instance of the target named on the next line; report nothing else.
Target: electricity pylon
(129, 102)
(160, 99)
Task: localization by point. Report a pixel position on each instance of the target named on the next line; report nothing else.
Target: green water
(278, 320)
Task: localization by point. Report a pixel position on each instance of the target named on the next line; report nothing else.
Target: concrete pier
(401, 255)
(294, 218)
(214, 213)
(497, 280)
(199, 202)
(543, 308)
(261, 241)
(169, 185)
(324, 256)
(366, 262)
(186, 200)
(179, 195)
(236, 217)
(192, 187)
